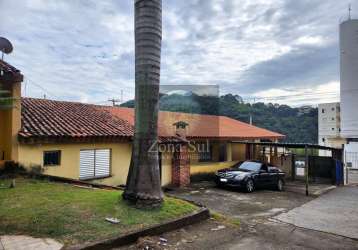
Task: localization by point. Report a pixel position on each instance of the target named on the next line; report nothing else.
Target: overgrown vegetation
(74, 215)
(298, 124)
(13, 170)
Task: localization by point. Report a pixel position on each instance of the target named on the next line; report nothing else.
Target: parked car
(250, 175)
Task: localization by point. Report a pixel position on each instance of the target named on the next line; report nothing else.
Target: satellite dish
(5, 45)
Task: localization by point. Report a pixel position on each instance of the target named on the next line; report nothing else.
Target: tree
(143, 182)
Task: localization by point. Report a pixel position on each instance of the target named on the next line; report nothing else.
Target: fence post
(293, 167)
(306, 168)
(345, 166)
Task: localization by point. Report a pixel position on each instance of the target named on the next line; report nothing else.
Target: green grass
(224, 219)
(75, 215)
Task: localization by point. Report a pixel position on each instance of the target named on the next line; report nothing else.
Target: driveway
(335, 212)
(258, 230)
(249, 208)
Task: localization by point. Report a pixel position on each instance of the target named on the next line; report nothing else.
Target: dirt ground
(257, 229)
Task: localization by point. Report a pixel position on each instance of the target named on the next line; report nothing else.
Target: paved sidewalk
(19, 242)
(335, 212)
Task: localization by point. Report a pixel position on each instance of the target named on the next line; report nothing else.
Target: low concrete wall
(210, 167)
(202, 214)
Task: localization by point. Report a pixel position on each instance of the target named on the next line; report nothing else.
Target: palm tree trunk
(143, 182)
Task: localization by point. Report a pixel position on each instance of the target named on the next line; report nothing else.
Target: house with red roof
(93, 143)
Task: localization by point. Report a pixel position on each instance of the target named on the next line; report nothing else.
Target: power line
(40, 87)
(301, 96)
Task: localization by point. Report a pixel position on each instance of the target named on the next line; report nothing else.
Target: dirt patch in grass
(75, 215)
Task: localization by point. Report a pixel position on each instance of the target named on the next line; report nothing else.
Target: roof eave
(30, 140)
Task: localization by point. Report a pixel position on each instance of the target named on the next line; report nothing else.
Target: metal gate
(351, 163)
(322, 169)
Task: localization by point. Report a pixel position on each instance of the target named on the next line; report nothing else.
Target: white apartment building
(329, 126)
(348, 31)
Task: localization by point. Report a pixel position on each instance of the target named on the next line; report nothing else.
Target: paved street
(258, 229)
(336, 213)
(266, 236)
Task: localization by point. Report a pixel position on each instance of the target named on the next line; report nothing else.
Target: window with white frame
(95, 163)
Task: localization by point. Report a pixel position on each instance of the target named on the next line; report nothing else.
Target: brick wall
(181, 167)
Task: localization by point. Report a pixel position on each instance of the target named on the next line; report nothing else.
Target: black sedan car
(250, 175)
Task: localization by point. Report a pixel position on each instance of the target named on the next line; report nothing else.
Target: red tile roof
(47, 120)
(56, 120)
(202, 126)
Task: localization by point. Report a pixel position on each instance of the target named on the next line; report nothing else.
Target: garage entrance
(300, 161)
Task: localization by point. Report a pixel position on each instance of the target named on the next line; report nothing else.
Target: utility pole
(114, 101)
(349, 11)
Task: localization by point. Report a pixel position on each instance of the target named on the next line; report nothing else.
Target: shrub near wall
(11, 170)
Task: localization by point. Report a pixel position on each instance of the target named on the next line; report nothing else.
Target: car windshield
(250, 166)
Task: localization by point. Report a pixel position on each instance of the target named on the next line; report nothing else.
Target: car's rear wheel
(280, 185)
(250, 186)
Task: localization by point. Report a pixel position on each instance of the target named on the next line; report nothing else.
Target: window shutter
(95, 163)
(102, 162)
(87, 159)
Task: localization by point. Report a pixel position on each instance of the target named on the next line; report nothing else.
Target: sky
(280, 51)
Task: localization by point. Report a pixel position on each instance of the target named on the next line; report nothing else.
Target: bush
(12, 170)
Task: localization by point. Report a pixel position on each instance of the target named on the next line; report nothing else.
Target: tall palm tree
(143, 182)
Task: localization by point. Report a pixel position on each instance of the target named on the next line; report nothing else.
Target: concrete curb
(324, 190)
(201, 215)
(301, 190)
(198, 204)
(74, 182)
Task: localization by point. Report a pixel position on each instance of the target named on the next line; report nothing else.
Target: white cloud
(310, 40)
(84, 50)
